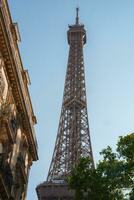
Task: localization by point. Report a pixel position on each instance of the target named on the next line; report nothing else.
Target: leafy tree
(113, 177)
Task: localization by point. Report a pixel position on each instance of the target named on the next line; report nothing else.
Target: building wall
(18, 145)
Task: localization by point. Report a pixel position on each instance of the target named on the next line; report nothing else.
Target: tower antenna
(77, 15)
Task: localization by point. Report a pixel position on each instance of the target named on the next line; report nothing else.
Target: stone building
(18, 146)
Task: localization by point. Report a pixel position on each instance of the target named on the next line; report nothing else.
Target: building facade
(18, 146)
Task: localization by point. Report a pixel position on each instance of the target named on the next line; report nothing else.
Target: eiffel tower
(73, 137)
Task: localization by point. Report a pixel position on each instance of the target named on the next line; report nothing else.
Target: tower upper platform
(76, 31)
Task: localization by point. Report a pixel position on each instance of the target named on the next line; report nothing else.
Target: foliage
(113, 177)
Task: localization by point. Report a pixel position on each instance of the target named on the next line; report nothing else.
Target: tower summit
(73, 137)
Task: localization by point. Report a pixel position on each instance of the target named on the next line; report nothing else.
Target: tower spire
(77, 16)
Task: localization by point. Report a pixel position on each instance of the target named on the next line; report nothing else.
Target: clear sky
(109, 66)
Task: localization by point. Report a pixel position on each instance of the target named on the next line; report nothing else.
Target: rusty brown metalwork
(73, 137)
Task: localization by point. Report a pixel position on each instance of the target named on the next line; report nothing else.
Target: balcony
(6, 178)
(22, 167)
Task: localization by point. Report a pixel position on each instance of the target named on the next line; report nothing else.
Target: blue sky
(109, 67)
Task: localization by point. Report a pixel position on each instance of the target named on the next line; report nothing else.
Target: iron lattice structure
(73, 138)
